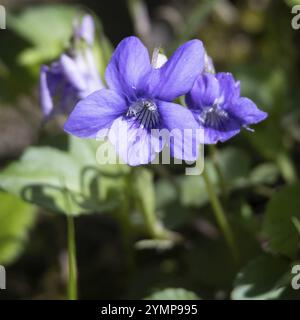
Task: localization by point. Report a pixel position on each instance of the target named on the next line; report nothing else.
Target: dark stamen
(213, 116)
(145, 112)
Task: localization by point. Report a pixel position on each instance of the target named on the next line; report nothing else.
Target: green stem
(122, 215)
(220, 215)
(214, 155)
(155, 230)
(72, 283)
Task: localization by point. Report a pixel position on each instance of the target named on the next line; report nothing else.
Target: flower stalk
(214, 155)
(72, 264)
(220, 215)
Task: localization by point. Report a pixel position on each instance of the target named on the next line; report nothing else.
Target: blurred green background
(120, 254)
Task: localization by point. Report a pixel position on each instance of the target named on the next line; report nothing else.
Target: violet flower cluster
(140, 100)
(219, 109)
(73, 76)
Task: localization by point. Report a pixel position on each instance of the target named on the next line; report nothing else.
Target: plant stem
(72, 283)
(155, 230)
(214, 156)
(122, 215)
(220, 215)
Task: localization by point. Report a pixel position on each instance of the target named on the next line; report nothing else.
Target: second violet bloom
(219, 109)
(139, 100)
(73, 76)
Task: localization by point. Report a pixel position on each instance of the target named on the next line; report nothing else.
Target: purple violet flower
(57, 94)
(139, 101)
(85, 30)
(73, 76)
(219, 109)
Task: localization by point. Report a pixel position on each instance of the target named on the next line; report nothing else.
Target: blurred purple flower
(57, 95)
(219, 109)
(73, 76)
(85, 29)
(139, 100)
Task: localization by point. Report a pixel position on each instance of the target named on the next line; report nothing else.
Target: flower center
(145, 113)
(213, 116)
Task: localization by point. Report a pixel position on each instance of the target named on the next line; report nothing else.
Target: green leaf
(173, 294)
(278, 226)
(235, 166)
(169, 208)
(45, 45)
(264, 173)
(66, 182)
(292, 2)
(52, 25)
(263, 278)
(165, 192)
(210, 251)
(267, 140)
(16, 218)
(154, 244)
